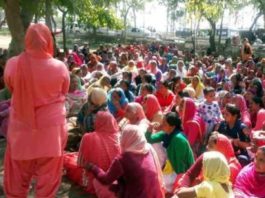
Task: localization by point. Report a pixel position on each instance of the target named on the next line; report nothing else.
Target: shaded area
(67, 188)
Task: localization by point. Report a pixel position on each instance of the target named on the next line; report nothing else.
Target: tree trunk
(264, 19)
(54, 24)
(134, 17)
(167, 18)
(255, 21)
(212, 36)
(28, 10)
(48, 13)
(125, 22)
(15, 24)
(220, 32)
(19, 15)
(2, 22)
(63, 30)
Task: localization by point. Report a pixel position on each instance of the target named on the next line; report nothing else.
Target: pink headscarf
(138, 110)
(191, 121)
(133, 140)
(189, 110)
(241, 104)
(105, 123)
(38, 44)
(260, 120)
(249, 183)
(101, 146)
(224, 146)
(152, 106)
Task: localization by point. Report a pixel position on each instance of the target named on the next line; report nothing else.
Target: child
(209, 109)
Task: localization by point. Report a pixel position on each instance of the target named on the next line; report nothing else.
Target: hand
(152, 126)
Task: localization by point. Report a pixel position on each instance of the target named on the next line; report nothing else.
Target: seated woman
(124, 84)
(216, 142)
(216, 175)
(137, 166)
(178, 148)
(75, 97)
(236, 130)
(97, 101)
(193, 125)
(251, 179)
(164, 95)
(257, 106)
(154, 114)
(241, 104)
(103, 82)
(99, 147)
(145, 89)
(198, 86)
(152, 109)
(117, 103)
(135, 115)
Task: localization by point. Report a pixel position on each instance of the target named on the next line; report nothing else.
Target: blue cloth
(123, 100)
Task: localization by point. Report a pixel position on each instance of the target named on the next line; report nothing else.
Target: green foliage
(90, 12)
(212, 9)
(259, 4)
(100, 17)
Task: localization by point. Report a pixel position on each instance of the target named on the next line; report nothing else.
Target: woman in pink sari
(240, 102)
(99, 147)
(152, 109)
(137, 166)
(37, 130)
(251, 179)
(135, 115)
(154, 114)
(193, 125)
(257, 106)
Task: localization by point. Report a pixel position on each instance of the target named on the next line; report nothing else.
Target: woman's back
(211, 189)
(140, 174)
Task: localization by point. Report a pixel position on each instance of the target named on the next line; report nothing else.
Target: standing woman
(37, 130)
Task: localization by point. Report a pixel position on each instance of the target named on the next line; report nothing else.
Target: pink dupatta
(249, 183)
(193, 125)
(241, 104)
(101, 146)
(152, 106)
(38, 44)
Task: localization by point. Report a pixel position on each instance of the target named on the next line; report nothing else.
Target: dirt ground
(67, 189)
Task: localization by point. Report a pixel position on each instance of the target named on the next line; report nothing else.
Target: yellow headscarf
(215, 167)
(199, 87)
